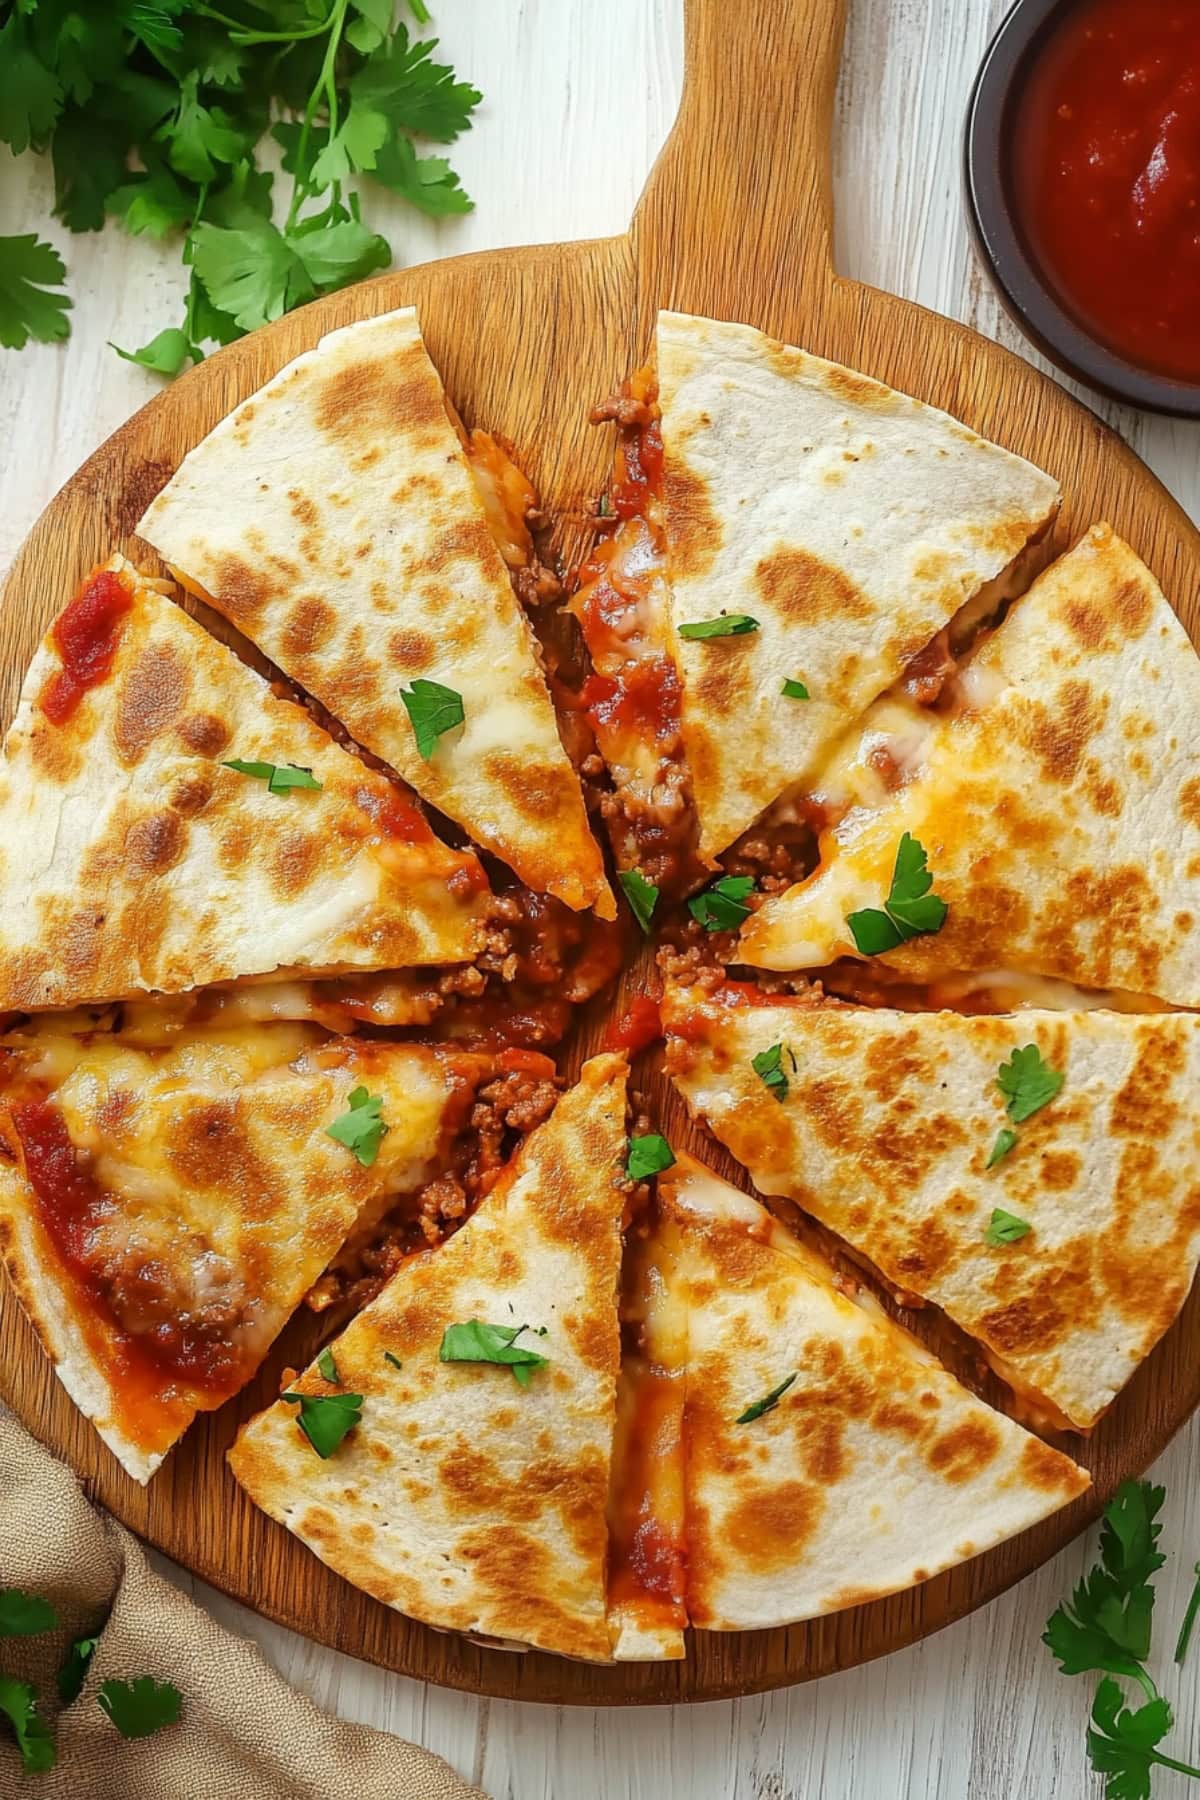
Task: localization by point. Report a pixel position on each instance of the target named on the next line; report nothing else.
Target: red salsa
(85, 635)
(638, 1026)
(1106, 175)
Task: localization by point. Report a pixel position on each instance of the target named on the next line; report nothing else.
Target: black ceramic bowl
(1025, 291)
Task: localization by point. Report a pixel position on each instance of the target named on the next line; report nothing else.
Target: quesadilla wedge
(472, 1494)
(166, 822)
(1035, 1177)
(793, 538)
(831, 1460)
(163, 1212)
(335, 520)
(1054, 793)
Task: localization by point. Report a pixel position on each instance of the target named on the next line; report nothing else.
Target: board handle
(743, 185)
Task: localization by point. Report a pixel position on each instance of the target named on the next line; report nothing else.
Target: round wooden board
(734, 223)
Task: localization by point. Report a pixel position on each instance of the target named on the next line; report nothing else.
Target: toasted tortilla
(1058, 799)
(885, 1134)
(873, 1471)
(463, 1498)
(333, 518)
(850, 521)
(133, 860)
(163, 1213)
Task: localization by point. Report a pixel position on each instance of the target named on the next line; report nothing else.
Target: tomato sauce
(1105, 170)
(639, 1026)
(85, 634)
(643, 697)
(395, 813)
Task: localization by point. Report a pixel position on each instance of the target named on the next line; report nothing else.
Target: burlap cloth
(244, 1734)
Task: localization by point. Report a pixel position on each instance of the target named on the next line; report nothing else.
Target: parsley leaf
(18, 1704)
(30, 272)
(361, 1128)
(280, 778)
(1005, 1141)
(166, 354)
(251, 272)
(648, 1156)
(1006, 1228)
(474, 1342)
(795, 690)
(326, 1365)
(767, 1404)
(768, 1066)
(909, 911)
(641, 894)
(1122, 1745)
(326, 1418)
(414, 93)
(394, 1360)
(24, 1615)
(722, 907)
(1106, 1624)
(30, 95)
(74, 1669)
(141, 1707)
(432, 710)
(1027, 1083)
(727, 625)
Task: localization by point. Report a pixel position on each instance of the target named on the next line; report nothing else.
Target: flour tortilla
(227, 1197)
(875, 1470)
(851, 521)
(132, 860)
(1059, 804)
(885, 1135)
(462, 1499)
(333, 518)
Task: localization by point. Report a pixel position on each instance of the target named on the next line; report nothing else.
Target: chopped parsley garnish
(722, 907)
(360, 1129)
(394, 1360)
(74, 1668)
(326, 1418)
(1006, 1228)
(650, 1155)
(18, 1704)
(280, 778)
(433, 710)
(767, 1404)
(32, 304)
(1005, 1141)
(909, 911)
(768, 1066)
(641, 894)
(795, 690)
(326, 1365)
(140, 1708)
(727, 625)
(1027, 1083)
(24, 1615)
(474, 1342)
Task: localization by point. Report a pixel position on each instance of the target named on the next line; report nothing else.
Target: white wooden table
(578, 98)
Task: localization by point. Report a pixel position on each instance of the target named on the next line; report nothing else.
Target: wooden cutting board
(735, 223)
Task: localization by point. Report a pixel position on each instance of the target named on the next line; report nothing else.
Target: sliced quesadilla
(165, 822)
(1054, 792)
(163, 1212)
(1036, 1177)
(470, 1490)
(335, 520)
(792, 539)
(831, 1460)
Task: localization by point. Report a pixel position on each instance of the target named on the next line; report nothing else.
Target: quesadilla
(793, 539)
(471, 1495)
(165, 822)
(1054, 793)
(335, 520)
(1035, 1177)
(163, 1212)
(831, 1460)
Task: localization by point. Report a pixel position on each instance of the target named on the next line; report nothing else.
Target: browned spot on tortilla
(1105, 619)
(309, 626)
(240, 590)
(156, 842)
(770, 1527)
(302, 508)
(1045, 1468)
(383, 398)
(295, 859)
(1147, 1106)
(411, 650)
(1059, 733)
(803, 590)
(204, 733)
(150, 697)
(1059, 1170)
(963, 1452)
(692, 524)
(859, 390)
(536, 790)
(1189, 800)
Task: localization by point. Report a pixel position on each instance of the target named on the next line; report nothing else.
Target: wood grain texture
(735, 220)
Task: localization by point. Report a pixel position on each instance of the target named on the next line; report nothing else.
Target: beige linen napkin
(243, 1734)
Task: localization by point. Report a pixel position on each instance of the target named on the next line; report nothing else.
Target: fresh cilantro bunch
(155, 112)
(1105, 1627)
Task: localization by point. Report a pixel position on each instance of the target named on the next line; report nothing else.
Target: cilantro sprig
(280, 778)
(433, 709)
(768, 1066)
(1028, 1083)
(722, 907)
(768, 1403)
(641, 894)
(156, 114)
(19, 1705)
(473, 1341)
(646, 1156)
(724, 625)
(361, 1128)
(909, 911)
(325, 1419)
(141, 1707)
